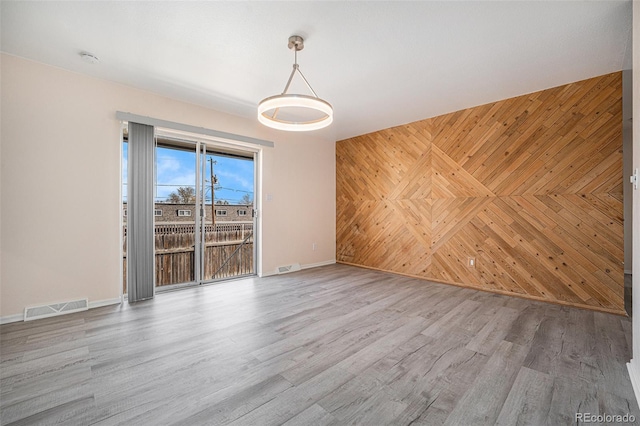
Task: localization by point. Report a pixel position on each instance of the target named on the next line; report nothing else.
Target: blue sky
(176, 168)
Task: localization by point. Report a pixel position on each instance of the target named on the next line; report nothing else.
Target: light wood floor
(333, 345)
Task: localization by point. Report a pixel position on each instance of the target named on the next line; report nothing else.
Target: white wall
(627, 150)
(634, 365)
(60, 184)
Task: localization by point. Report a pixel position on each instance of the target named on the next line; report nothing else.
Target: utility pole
(213, 198)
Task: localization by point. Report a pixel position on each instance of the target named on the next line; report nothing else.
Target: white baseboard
(315, 265)
(634, 375)
(307, 266)
(106, 302)
(95, 304)
(11, 318)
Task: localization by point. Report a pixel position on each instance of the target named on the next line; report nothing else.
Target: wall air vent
(46, 311)
(288, 268)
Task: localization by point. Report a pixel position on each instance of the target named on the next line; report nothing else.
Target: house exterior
(181, 212)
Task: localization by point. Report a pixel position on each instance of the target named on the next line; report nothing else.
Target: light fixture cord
(306, 82)
(296, 67)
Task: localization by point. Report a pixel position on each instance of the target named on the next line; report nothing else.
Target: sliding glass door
(203, 218)
(203, 215)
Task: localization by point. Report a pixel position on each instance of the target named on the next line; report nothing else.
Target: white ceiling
(380, 64)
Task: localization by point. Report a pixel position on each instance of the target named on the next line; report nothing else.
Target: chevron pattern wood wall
(531, 187)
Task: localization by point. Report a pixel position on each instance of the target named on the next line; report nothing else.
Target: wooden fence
(174, 246)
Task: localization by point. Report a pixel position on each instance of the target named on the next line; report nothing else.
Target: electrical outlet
(314, 246)
(471, 262)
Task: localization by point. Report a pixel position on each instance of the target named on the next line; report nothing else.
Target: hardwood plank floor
(336, 345)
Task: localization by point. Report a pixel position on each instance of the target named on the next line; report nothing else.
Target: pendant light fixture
(295, 112)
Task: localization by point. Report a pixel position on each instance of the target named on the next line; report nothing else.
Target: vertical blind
(140, 206)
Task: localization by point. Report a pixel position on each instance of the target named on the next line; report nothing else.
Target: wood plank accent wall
(531, 187)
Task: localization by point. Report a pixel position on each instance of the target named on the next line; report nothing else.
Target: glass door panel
(175, 215)
(228, 230)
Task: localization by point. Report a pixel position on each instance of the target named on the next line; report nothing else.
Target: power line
(193, 186)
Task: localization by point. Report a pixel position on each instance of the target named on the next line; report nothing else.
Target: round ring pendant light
(269, 108)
